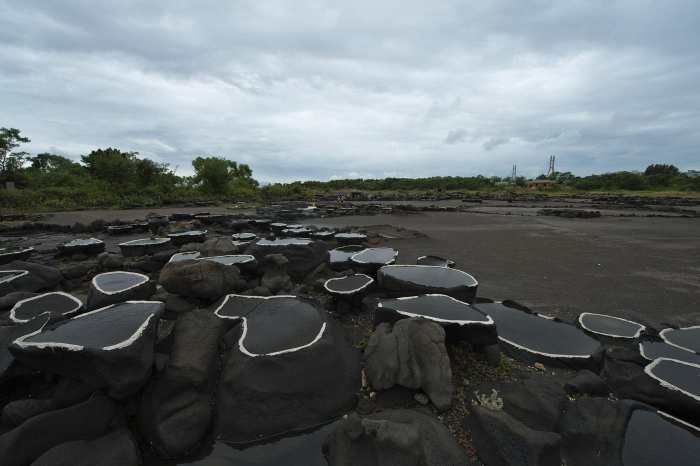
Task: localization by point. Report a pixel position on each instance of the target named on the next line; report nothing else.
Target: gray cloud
(327, 90)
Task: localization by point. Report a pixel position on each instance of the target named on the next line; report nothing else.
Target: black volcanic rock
(532, 337)
(28, 276)
(84, 421)
(109, 348)
(288, 368)
(339, 258)
(392, 438)
(303, 255)
(245, 262)
(8, 255)
(10, 333)
(206, 279)
(435, 260)
(460, 320)
(371, 259)
(412, 354)
(57, 303)
(179, 238)
(118, 448)
(118, 286)
(144, 246)
(176, 408)
(408, 280)
(349, 286)
(89, 246)
(350, 238)
(687, 338)
(609, 326)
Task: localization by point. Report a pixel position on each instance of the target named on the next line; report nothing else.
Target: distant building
(541, 184)
(693, 173)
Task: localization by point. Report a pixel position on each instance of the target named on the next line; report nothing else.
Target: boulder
(217, 247)
(203, 279)
(408, 280)
(593, 431)
(110, 348)
(288, 368)
(460, 320)
(586, 382)
(118, 448)
(27, 276)
(411, 353)
(85, 421)
(176, 407)
(350, 238)
(8, 255)
(537, 402)
(393, 437)
(107, 261)
(115, 287)
(275, 277)
(304, 255)
(10, 299)
(502, 440)
(10, 333)
(187, 236)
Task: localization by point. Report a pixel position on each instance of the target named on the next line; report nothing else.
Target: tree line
(112, 178)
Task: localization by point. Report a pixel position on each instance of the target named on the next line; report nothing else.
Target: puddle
(610, 326)
(539, 335)
(429, 276)
(117, 325)
(652, 440)
(438, 307)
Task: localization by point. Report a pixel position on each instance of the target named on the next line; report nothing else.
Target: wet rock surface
(27, 276)
(89, 246)
(111, 347)
(610, 326)
(8, 255)
(144, 246)
(407, 280)
(435, 260)
(118, 286)
(686, 338)
(339, 258)
(58, 304)
(349, 285)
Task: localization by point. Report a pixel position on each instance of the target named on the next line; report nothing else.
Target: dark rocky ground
(206, 402)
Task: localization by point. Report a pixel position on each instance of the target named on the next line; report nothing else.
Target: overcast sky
(319, 90)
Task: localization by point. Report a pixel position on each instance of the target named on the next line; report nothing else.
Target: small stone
(539, 366)
(421, 398)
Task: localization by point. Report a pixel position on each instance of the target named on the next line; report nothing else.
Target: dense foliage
(114, 178)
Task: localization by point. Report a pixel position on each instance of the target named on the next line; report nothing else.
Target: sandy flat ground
(639, 267)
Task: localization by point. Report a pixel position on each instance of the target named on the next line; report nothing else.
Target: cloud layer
(320, 90)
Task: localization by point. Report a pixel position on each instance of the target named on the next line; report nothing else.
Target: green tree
(111, 165)
(218, 175)
(11, 162)
(661, 169)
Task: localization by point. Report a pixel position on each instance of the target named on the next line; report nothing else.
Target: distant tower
(550, 170)
(515, 173)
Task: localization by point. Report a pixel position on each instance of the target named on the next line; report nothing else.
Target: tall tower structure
(550, 170)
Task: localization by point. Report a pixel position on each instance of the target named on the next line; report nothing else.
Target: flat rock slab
(375, 257)
(350, 285)
(435, 260)
(686, 338)
(283, 242)
(113, 287)
(406, 280)
(273, 325)
(82, 246)
(651, 350)
(188, 236)
(323, 235)
(461, 320)
(120, 229)
(28, 276)
(185, 256)
(243, 237)
(233, 259)
(10, 333)
(540, 337)
(8, 255)
(339, 258)
(58, 304)
(653, 439)
(676, 375)
(144, 246)
(610, 326)
(350, 238)
(111, 347)
(290, 369)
